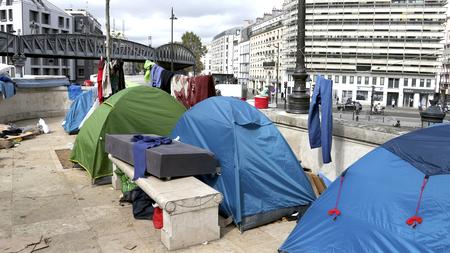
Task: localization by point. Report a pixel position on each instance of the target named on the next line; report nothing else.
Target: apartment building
(84, 23)
(385, 50)
(223, 50)
(206, 60)
(265, 50)
(244, 56)
(22, 17)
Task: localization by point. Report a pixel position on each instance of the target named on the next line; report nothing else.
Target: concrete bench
(190, 207)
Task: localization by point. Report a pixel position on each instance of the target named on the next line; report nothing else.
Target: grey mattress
(174, 160)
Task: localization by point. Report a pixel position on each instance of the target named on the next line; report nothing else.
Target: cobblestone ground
(39, 198)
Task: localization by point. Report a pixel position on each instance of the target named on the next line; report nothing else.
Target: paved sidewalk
(39, 198)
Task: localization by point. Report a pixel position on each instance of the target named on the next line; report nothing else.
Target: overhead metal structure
(82, 46)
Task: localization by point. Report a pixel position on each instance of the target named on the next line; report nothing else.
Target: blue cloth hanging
(7, 89)
(321, 133)
(140, 146)
(156, 76)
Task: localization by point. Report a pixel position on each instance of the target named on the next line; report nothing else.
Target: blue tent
(78, 110)
(261, 178)
(394, 199)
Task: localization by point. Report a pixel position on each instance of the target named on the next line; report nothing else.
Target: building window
(381, 80)
(422, 83)
(45, 18)
(34, 16)
(405, 82)
(9, 28)
(10, 14)
(390, 83)
(336, 79)
(9, 2)
(80, 72)
(330, 77)
(35, 71)
(366, 80)
(358, 80)
(2, 15)
(347, 95)
(374, 80)
(61, 22)
(377, 96)
(67, 23)
(393, 83)
(428, 83)
(344, 79)
(2, 28)
(35, 61)
(362, 95)
(352, 79)
(413, 82)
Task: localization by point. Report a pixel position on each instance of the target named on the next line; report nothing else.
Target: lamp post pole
(172, 18)
(278, 64)
(108, 33)
(298, 101)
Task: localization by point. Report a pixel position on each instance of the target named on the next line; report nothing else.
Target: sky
(145, 18)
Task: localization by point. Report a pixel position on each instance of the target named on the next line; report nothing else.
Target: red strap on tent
(416, 220)
(335, 211)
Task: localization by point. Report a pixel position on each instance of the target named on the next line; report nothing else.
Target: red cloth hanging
(100, 66)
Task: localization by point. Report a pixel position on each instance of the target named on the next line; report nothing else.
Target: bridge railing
(86, 46)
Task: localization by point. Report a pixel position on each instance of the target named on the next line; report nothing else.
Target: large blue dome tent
(394, 199)
(261, 178)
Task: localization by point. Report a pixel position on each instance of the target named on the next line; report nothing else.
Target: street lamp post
(298, 101)
(108, 32)
(277, 69)
(172, 18)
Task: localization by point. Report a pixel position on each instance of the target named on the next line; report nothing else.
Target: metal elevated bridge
(86, 46)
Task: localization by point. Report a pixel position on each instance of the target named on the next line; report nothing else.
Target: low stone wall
(31, 103)
(351, 141)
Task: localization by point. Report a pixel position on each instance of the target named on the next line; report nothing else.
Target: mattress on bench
(173, 160)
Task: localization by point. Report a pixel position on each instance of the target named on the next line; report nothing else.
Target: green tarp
(140, 109)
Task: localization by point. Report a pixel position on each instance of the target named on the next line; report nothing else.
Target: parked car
(350, 106)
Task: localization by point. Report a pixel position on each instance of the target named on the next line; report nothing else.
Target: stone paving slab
(39, 198)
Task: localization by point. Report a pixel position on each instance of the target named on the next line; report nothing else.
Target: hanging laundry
(106, 81)
(166, 80)
(201, 88)
(321, 133)
(5, 78)
(156, 76)
(179, 89)
(7, 89)
(117, 76)
(100, 67)
(147, 68)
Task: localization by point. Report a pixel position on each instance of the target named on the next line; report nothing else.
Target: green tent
(140, 109)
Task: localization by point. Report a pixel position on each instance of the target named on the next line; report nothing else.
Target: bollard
(353, 115)
(383, 119)
(357, 118)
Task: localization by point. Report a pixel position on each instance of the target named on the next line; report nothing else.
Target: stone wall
(351, 141)
(30, 103)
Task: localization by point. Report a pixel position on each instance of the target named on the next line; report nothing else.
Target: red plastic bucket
(262, 102)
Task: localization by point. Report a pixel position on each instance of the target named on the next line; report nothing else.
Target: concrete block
(190, 207)
(190, 228)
